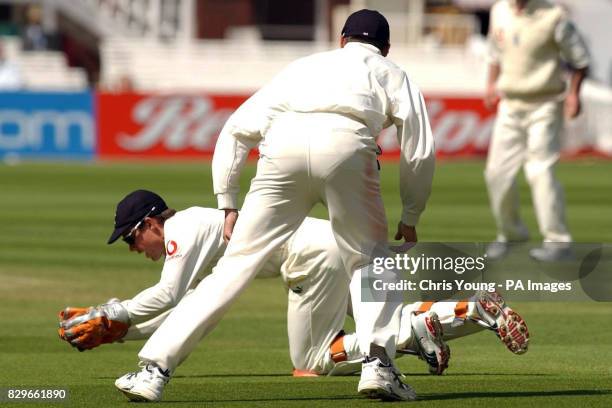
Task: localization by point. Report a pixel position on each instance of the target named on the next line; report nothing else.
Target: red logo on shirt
(171, 247)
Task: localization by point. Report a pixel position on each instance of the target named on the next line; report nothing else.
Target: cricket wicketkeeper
(192, 240)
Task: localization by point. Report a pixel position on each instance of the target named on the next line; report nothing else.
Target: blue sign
(54, 125)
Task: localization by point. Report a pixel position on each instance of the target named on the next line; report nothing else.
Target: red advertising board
(461, 127)
(183, 126)
(187, 126)
(156, 126)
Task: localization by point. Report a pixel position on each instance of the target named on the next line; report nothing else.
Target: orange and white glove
(87, 328)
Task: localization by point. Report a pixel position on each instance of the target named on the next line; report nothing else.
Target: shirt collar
(355, 44)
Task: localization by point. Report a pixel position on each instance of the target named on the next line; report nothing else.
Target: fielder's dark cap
(133, 208)
(367, 23)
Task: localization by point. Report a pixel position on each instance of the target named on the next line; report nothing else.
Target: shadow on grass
(425, 397)
(510, 394)
(246, 400)
(481, 374)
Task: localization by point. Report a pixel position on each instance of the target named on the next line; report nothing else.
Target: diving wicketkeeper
(317, 286)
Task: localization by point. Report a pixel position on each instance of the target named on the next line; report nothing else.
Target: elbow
(170, 296)
(173, 300)
(583, 72)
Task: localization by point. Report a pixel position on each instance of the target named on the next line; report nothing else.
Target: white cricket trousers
(305, 159)
(528, 138)
(318, 295)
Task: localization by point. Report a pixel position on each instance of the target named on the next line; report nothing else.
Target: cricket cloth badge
(171, 247)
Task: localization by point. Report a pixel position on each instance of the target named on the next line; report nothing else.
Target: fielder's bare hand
(231, 216)
(408, 234)
(491, 98)
(572, 106)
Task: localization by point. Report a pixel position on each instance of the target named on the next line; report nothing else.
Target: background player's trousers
(305, 159)
(528, 138)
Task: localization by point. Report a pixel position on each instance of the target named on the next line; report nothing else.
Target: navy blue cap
(133, 208)
(367, 23)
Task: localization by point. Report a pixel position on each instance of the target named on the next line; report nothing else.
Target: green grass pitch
(54, 222)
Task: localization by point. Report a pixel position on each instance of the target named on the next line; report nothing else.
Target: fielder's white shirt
(194, 243)
(529, 46)
(354, 81)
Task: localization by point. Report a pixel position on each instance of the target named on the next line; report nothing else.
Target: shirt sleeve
(417, 157)
(572, 47)
(242, 132)
(493, 55)
(178, 274)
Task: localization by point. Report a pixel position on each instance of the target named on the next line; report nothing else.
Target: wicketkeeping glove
(86, 328)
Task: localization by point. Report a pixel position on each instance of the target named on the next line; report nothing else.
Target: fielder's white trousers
(317, 309)
(318, 297)
(305, 159)
(528, 138)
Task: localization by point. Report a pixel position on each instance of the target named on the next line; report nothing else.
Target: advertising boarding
(187, 126)
(50, 125)
(162, 126)
(126, 126)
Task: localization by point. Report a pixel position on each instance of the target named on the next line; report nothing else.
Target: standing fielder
(528, 40)
(316, 123)
(192, 240)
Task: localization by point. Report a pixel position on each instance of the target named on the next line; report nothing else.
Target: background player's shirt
(194, 243)
(365, 91)
(530, 45)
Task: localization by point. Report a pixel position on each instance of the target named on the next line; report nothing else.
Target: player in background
(530, 41)
(316, 124)
(11, 76)
(191, 242)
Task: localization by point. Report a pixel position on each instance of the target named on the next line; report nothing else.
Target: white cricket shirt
(194, 243)
(355, 81)
(529, 46)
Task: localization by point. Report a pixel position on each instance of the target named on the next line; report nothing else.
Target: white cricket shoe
(431, 346)
(552, 253)
(509, 325)
(383, 381)
(497, 250)
(145, 385)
